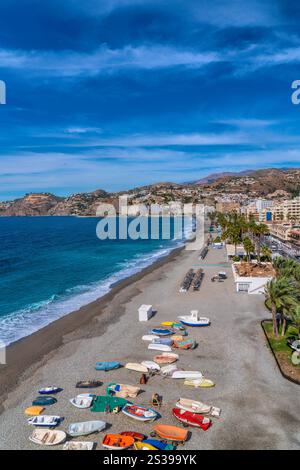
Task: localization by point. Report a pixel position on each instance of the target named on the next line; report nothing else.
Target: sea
(51, 266)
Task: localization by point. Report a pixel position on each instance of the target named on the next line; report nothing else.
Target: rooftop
(254, 269)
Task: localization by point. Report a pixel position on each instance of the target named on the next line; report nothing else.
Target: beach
(258, 405)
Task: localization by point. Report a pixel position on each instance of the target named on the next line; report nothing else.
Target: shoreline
(27, 353)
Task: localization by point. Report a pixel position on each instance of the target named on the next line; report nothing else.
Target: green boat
(44, 401)
(108, 404)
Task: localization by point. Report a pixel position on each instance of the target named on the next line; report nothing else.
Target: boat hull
(192, 419)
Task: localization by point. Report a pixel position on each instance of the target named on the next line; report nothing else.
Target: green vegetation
(238, 230)
(279, 345)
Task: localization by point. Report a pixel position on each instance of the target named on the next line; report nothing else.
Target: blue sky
(114, 94)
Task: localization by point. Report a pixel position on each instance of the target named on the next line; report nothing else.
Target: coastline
(29, 352)
(247, 382)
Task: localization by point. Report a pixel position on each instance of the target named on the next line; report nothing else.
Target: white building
(250, 284)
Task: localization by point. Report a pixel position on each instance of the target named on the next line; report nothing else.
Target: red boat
(136, 435)
(192, 419)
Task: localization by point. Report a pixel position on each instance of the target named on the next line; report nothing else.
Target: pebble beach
(257, 404)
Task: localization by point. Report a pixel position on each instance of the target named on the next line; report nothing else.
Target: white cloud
(103, 60)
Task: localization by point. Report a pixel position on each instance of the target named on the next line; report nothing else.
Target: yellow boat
(167, 323)
(34, 410)
(203, 383)
(138, 445)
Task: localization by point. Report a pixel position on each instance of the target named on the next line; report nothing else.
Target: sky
(115, 94)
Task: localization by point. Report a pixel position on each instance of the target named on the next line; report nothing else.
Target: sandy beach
(259, 407)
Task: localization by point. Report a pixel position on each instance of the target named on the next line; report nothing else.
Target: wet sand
(259, 407)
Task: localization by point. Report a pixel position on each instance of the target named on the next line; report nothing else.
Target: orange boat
(117, 441)
(170, 433)
(34, 410)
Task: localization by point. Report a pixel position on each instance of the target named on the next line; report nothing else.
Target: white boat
(159, 347)
(197, 407)
(166, 358)
(46, 421)
(86, 427)
(186, 374)
(194, 320)
(139, 412)
(47, 437)
(168, 370)
(78, 445)
(151, 365)
(82, 401)
(149, 337)
(136, 366)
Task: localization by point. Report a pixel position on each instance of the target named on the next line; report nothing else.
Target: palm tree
(295, 315)
(280, 294)
(266, 253)
(257, 231)
(249, 247)
(278, 264)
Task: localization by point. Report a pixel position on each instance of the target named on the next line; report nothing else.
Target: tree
(257, 231)
(280, 295)
(249, 247)
(295, 315)
(266, 253)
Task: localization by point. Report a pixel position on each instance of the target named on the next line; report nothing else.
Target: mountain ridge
(267, 182)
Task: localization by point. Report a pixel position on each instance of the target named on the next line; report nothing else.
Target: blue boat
(166, 341)
(49, 390)
(159, 444)
(107, 365)
(161, 331)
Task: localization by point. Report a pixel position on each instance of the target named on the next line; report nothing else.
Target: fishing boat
(161, 331)
(187, 374)
(137, 367)
(107, 365)
(166, 358)
(168, 370)
(159, 347)
(88, 384)
(85, 427)
(170, 433)
(49, 390)
(197, 407)
(167, 323)
(117, 441)
(139, 412)
(201, 382)
(44, 401)
(192, 419)
(138, 445)
(82, 401)
(45, 421)
(167, 341)
(151, 365)
(47, 437)
(78, 445)
(159, 445)
(34, 410)
(122, 390)
(136, 435)
(185, 344)
(194, 320)
(149, 337)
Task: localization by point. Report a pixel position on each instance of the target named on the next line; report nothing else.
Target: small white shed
(145, 312)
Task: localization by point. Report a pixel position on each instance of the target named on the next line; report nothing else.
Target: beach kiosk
(145, 312)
